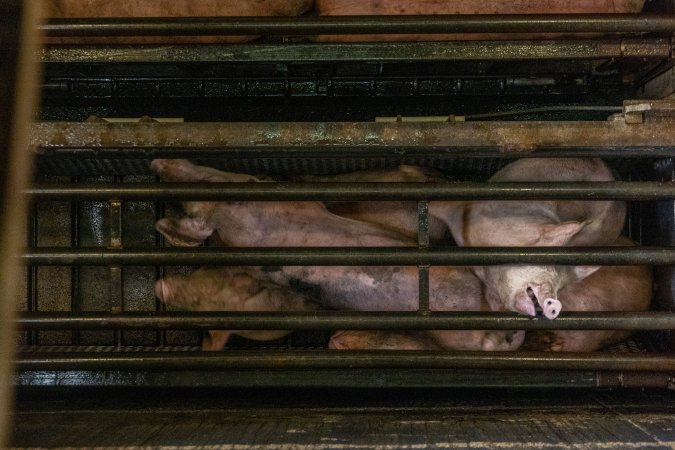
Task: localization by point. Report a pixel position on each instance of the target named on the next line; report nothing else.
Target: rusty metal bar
(361, 191)
(604, 48)
(423, 243)
(348, 359)
(507, 139)
(382, 320)
(116, 271)
(75, 294)
(353, 256)
(506, 23)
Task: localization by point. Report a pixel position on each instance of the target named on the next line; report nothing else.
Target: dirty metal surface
(346, 419)
(382, 51)
(324, 138)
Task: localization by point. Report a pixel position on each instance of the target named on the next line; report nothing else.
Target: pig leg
(380, 340)
(215, 340)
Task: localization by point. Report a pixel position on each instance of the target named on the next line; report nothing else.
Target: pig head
(230, 289)
(612, 288)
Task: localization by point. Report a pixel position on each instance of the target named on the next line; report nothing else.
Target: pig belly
(612, 288)
(449, 7)
(167, 8)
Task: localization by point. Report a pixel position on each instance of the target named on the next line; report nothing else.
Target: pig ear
(581, 272)
(184, 232)
(559, 234)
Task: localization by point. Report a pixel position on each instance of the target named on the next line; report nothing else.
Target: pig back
(604, 220)
(469, 7)
(397, 216)
(59, 9)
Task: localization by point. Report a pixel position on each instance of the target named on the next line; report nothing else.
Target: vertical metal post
(19, 75)
(75, 297)
(116, 280)
(32, 276)
(159, 271)
(423, 242)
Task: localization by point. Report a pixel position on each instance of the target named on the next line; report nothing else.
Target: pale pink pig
(280, 224)
(230, 289)
(612, 288)
(535, 223)
(470, 7)
(59, 9)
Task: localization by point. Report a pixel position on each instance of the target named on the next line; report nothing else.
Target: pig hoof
(552, 308)
(336, 342)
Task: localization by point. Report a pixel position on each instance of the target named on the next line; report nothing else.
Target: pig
(311, 224)
(167, 8)
(535, 223)
(432, 7)
(230, 289)
(381, 340)
(612, 288)
(400, 217)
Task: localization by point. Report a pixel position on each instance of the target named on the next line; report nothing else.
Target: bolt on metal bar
(270, 191)
(353, 256)
(361, 320)
(492, 23)
(348, 359)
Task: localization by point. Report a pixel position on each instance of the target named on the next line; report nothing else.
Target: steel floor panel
(344, 419)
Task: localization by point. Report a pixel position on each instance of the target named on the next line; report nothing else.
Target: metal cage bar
(267, 191)
(348, 359)
(604, 48)
(383, 320)
(489, 23)
(354, 256)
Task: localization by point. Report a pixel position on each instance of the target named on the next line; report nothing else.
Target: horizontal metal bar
(352, 256)
(324, 139)
(371, 51)
(511, 23)
(307, 359)
(331, 320)
(358, 191)
(350, 377)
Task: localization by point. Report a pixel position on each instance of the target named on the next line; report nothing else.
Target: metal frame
(451, 24)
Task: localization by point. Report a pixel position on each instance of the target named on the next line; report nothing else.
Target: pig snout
(543, 295)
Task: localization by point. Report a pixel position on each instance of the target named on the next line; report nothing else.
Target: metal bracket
(637, 111)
